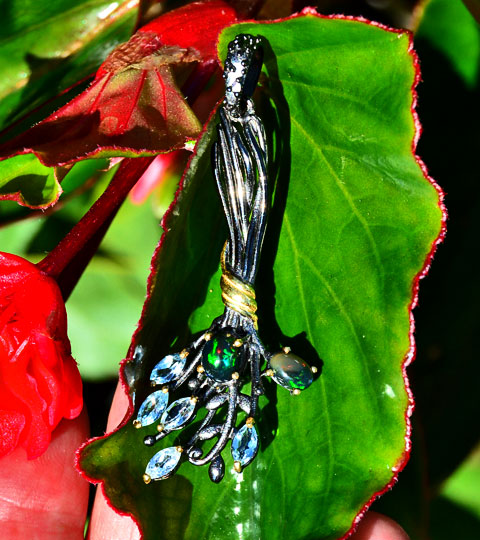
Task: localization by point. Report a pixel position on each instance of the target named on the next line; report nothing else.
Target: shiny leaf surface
(352, 224)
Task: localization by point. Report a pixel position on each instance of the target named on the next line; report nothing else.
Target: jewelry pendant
(217, 364)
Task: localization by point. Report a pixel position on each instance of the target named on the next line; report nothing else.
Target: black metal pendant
(230, 352)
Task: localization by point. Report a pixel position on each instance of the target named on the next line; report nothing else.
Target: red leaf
(196, 25)
(134, 106)
(39, 380)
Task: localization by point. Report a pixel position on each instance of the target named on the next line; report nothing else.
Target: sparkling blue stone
(178, 414)
(163, 463)
(168, 369)
(245, 445)
(152, 408)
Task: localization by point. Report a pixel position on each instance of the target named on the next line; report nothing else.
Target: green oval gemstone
(290, 371)
(220, 359)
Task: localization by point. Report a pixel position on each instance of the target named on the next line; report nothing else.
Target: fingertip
(45, 497)
(119, 408)
(106, 523)
(376, 526)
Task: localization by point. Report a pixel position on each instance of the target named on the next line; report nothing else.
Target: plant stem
(67, 261)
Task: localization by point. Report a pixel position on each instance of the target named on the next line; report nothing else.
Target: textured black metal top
(242, 70)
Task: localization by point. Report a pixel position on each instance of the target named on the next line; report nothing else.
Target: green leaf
(47, 47)
(455, 513)
(26, 180)
(462, 487)
(352, 223)
(30, 183)
(450, 28)
(96, 308)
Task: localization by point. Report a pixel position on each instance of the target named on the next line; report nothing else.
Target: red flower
(39, 380)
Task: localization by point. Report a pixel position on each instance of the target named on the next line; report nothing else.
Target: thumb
(45, 497)
(106, 523)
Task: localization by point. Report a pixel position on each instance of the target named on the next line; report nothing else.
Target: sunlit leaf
(352, 225)
(25, 180)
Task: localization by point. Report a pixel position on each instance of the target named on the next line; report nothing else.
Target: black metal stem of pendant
(240, 168)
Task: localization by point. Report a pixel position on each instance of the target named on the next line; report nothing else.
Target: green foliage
(445, 374)
(96, 309)
(449, 27)
(46, 47)
(44, 50)
(352, 223)
(29, 182)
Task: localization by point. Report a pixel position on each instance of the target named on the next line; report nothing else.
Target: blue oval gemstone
(245, 445)
(163, 463)
(168, 369)
(178, 414)
(152, 408)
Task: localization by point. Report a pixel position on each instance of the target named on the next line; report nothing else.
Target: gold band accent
(236, 294)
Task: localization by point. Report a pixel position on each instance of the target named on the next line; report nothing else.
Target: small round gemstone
(290, 371)
(220, 358)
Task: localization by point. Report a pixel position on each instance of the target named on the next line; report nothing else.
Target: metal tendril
(215, 366)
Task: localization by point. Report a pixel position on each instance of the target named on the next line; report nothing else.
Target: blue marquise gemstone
(245, 445)
(168, 369)
(163, 463)
(152, 408)
(178, 414)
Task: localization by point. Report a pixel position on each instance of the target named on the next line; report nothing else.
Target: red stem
(67, 261)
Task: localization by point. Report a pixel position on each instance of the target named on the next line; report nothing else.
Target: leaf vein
(331, 456)
(363, 222)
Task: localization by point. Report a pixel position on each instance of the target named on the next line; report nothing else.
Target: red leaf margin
(411, 352)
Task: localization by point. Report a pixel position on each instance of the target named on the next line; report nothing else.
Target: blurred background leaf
(445, 376)
(105, 305)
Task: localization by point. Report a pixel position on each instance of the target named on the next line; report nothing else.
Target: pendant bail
(242, 70)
